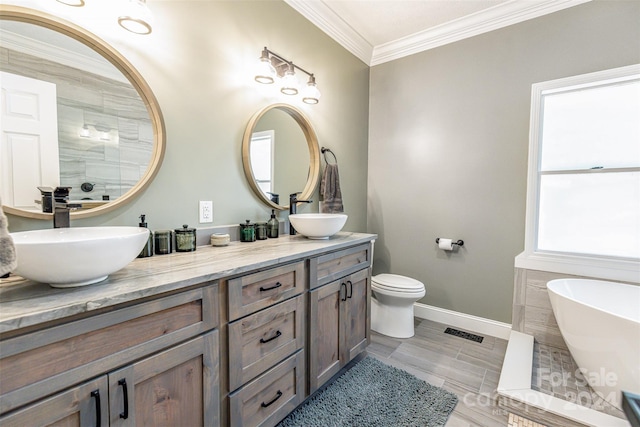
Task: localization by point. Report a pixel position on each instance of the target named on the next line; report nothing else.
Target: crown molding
(499, 16)
(331, 23)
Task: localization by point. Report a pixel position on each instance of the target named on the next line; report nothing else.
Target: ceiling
(378, 31)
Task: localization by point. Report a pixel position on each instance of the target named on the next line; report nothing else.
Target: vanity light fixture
(136, 17)
(273, 66)
(95, 132)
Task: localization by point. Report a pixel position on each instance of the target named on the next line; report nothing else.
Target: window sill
(576, 265)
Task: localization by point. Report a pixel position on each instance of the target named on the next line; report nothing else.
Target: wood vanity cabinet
(243, 351)
(153, 363)
(266, 339)
(274, 315)
(339, 312)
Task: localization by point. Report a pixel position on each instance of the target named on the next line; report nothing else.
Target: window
(261, 154)
(583, 201)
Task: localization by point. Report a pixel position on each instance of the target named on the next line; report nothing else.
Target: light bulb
(137, 17)
(289, 82)
(266, 73)
(310, 93)
(85, 132)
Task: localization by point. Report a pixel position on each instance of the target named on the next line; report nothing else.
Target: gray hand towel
(330, 190)
(8, 261)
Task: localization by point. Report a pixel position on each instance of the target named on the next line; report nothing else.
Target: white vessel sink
(70, 257)
(318, 225)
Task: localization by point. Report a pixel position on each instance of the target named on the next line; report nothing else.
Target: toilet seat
(397, 283)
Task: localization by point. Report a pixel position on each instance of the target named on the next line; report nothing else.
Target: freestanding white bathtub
(600, 322)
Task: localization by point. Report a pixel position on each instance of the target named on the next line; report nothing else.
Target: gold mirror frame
(30, 16)
(314, 153)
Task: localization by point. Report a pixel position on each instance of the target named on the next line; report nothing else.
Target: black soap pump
(147, 250)
(273, 225)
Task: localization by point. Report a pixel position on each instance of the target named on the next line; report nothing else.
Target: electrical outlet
(206, 211)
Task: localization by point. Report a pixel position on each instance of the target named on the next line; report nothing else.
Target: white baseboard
(462, 320)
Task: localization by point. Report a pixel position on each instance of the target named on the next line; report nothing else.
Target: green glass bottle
(147, 250)
(273, 225)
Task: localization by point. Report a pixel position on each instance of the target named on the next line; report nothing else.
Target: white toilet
(392, 304)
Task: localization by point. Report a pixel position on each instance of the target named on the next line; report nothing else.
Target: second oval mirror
(280, 155)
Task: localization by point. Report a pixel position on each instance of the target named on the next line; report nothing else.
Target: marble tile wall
(84, 98)
(532, 312)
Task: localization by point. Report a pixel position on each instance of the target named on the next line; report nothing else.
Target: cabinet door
(85, 405)
(177, 387)
(357, 314)
(325, 332)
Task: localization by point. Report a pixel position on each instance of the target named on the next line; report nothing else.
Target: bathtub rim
(553, 289)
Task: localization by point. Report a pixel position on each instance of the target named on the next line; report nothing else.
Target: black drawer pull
(96, 394)
(124, 414)
(278, 396)
(277, 285)
(263, 341)
(345, 292)
(350, 288)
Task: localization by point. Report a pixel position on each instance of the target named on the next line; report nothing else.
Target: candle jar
(261, 230)
(163, 242)
(185, 239)
(247, 232)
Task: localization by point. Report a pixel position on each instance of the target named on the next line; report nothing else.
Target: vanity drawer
(253, 292)
(260, 340)
(332, 266)
(266, 400)
(43, 362)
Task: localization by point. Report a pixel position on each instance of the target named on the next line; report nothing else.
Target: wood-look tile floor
(469, 369)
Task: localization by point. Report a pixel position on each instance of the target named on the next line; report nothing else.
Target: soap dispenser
(273, 225)
(147, 250)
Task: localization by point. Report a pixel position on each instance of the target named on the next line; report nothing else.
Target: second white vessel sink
(70, 257)
(318, 225)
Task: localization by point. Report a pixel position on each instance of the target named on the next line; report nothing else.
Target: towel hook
(324, 153)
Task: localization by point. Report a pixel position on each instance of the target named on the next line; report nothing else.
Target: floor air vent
(462, 334)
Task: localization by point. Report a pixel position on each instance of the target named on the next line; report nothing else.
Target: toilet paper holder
(457, 243)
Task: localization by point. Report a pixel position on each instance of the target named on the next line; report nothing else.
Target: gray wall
(199, 62)
(448, 141)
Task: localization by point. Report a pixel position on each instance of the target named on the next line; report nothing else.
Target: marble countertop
(25, 303)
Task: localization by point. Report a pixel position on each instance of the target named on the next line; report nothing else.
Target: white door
(29, 140)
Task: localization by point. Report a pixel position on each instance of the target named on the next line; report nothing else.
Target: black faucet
(275, 198)
(61, 206)
(293, 201)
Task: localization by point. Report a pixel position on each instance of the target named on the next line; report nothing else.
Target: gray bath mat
(372, 394)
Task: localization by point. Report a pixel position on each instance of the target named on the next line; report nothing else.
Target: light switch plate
(206, 211)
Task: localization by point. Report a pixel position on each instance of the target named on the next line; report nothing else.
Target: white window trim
(580, 265)
(270, 135)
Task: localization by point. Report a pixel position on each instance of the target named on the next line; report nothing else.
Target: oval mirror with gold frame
(135, 146)
(280, 155)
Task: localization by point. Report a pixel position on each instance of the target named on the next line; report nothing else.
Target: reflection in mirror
(71, 118)
(280, 155)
